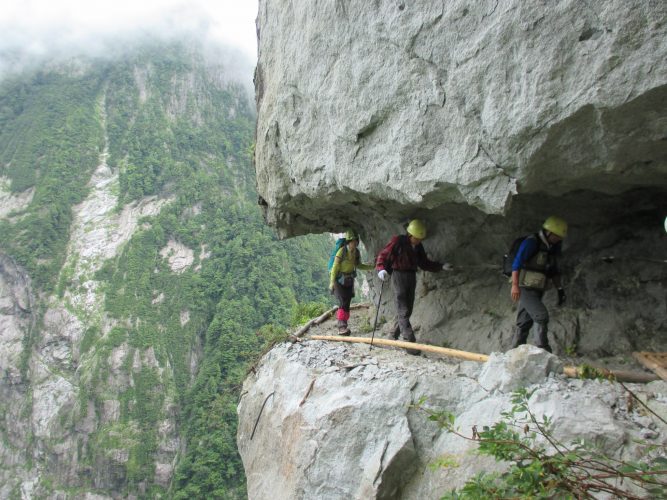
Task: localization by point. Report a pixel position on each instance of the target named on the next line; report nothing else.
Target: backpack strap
(400, 245)
(396, 250)
(537, 248)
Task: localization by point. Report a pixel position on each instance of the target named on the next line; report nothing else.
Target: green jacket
(346, 263)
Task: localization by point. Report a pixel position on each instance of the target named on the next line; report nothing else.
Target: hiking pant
(404, 284)
(344, 296)
(531, 310)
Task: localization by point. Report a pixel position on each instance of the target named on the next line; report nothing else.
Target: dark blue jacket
(529, 247)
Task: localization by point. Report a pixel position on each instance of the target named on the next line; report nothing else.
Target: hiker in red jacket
(400, 260)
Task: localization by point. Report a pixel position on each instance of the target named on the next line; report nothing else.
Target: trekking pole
(377, 312)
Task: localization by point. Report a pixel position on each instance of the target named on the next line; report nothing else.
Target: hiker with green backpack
(343, 264)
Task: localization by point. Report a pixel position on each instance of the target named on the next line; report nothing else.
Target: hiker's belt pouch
(346, 279)
(532, 279)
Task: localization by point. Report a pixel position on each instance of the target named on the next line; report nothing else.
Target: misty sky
(43, 27)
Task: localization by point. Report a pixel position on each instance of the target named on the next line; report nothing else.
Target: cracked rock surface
(396, 107)
(328, 420)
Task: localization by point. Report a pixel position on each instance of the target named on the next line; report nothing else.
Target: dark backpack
(508, 258)
(339, 243)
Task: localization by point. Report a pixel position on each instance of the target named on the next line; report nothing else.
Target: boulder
(397, 108)
(517, 368)
(328, 421)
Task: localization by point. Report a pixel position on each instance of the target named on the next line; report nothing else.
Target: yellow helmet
(417, 228)
(556, 225)
(351, 235)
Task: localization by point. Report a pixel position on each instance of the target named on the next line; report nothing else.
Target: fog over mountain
(40, 31)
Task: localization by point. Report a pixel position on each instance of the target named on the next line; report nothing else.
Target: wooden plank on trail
(569, 371)
(656, 361)
(471, 356)
(620, 375)
(315, 321)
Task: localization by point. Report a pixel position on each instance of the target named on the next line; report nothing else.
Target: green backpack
(339, 243)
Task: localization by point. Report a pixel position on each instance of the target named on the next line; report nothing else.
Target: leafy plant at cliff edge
(541, 467)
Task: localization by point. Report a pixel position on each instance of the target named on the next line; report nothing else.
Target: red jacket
(404, 257)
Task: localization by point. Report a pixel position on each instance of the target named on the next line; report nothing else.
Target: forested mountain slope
(135, 273)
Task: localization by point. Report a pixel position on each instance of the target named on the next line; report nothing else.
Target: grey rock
(13, 202)
(322, 413)
(401, 108)
(51, 423)
(520, 367)
(583, 416)
(482, 119)
(649, 434)
(16, 316)
(306, 431)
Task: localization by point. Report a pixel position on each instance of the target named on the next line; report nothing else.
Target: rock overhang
(369, 115)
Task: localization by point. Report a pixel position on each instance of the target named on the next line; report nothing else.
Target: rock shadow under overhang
(610, 150)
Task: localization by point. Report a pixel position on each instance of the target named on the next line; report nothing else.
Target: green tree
(541, 467)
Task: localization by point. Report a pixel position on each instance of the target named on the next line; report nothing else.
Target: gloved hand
(561, 297)
(383, 275)
(447, 267)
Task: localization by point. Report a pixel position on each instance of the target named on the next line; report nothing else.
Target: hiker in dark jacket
(404, 254)
(536, 263)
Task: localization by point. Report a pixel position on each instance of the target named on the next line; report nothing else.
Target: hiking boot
(343, 331)
(392, 333)
(411, 338)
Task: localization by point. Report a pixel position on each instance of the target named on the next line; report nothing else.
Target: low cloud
(43, 30)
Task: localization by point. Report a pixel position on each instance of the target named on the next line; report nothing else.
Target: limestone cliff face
(401, 106)
(483, 119)
(42, 387)
(330, 421)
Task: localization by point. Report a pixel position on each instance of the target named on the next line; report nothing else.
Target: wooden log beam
(315, 321)
(471, 356)
(656, 361)
(620, 375)
(570, 371)
(325, 316)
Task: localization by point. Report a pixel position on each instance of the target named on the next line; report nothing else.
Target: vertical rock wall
(483, 119)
